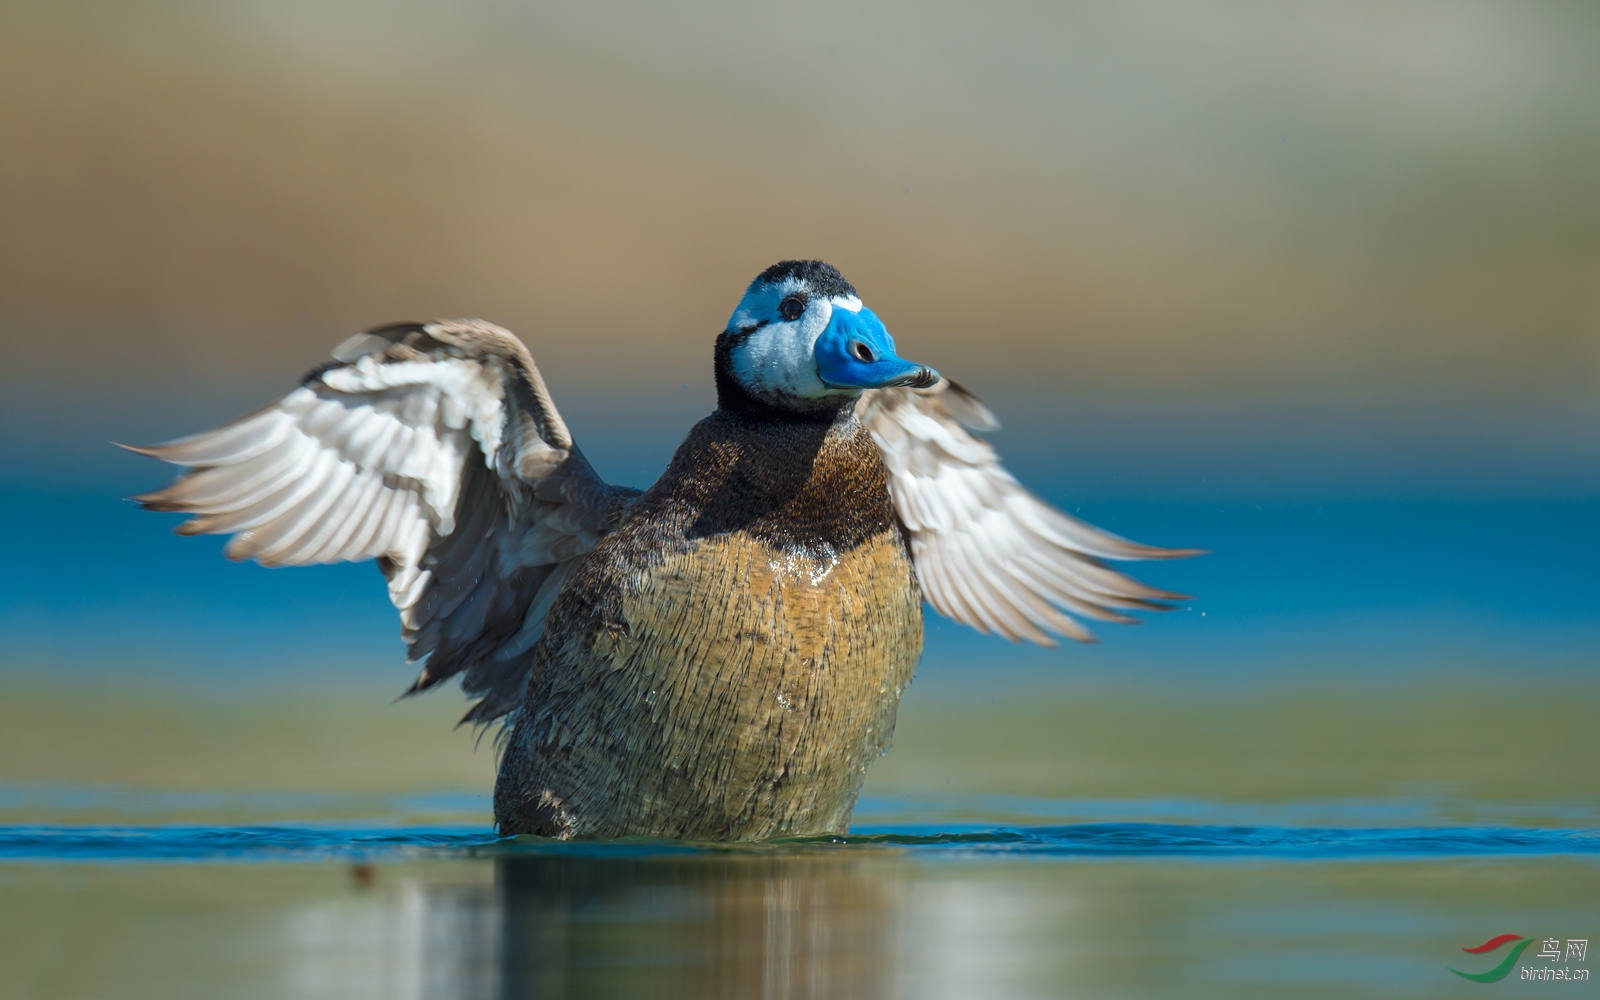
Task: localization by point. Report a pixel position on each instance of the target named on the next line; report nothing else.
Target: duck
(718, 657)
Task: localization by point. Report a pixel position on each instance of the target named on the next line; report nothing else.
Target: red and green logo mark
(1502, 970)
(1577, 950)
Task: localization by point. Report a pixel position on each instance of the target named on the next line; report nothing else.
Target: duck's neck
(803, 487)
(733, 397)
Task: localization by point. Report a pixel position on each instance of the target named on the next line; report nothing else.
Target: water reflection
(849, 923)
(887, 923)
(430, 940)
(556, 926)
(693, 926)
(746, 927)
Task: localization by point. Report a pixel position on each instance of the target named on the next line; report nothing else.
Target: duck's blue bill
(856, 352)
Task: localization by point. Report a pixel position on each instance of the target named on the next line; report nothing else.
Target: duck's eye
(860, 351)
(791, 307)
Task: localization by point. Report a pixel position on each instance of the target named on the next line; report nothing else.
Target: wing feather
(278, 542)
(338, 545)
(989, 553)
(434, 448)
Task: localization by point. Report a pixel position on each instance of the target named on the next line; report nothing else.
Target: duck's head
(801, 344)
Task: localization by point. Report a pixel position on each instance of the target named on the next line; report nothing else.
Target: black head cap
(822, 278)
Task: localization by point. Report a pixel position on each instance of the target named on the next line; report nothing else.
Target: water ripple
(44, 843)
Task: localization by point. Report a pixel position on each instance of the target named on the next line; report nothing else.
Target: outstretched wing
(988, 553)
(435, 449)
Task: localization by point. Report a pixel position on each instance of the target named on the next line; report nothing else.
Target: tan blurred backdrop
(1227, 249)
(1346, 200)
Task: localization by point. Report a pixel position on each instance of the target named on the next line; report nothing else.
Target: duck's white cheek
(779, 359)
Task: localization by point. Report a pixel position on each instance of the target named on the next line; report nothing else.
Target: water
(1100, 909)
(1194, 897)
(1141, 839)
(177, 843)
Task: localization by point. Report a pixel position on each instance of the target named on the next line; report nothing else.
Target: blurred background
(1314, 286)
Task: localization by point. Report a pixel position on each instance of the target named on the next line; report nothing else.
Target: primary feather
(989, 553)
(434, 448)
